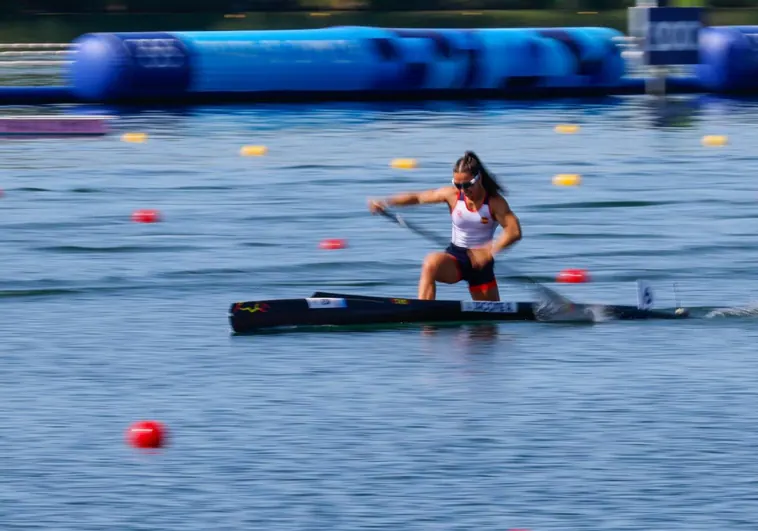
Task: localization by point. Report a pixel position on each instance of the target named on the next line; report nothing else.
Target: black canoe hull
(334, 309)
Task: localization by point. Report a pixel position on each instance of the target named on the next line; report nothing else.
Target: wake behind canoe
(335, 309)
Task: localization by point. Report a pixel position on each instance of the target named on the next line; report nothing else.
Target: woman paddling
(477, 206)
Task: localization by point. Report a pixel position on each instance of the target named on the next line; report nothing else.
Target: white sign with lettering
(325, 303)
(673, 36)
(489, 306)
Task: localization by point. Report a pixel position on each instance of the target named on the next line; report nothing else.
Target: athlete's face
(468, 182)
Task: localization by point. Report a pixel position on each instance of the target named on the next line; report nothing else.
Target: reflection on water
(674, 112)
(467, 340)
(479, 331)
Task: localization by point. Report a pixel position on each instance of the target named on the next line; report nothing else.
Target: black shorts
(478, 279)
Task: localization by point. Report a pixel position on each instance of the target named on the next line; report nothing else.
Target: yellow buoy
(566, 128)
(567, 179)
(134, 137)
(253, 151)
(404, 164)
(715, 140)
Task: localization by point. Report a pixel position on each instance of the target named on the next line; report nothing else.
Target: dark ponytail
(470, 163)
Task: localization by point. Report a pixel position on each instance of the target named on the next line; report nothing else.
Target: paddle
(555, 307)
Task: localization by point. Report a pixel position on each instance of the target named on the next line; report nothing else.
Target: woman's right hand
(376, 205)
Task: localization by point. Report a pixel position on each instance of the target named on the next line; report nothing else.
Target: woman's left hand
(480, 257)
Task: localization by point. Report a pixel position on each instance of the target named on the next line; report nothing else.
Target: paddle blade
(554, 307)
(550, 312)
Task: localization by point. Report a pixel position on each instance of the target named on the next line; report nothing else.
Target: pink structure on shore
(54, 125)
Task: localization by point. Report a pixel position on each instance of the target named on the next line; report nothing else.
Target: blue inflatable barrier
(36, 95)
(728, 59)
(366, 63)
(346, 61)
(112, 67)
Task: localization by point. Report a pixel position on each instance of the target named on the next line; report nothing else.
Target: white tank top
(472, 228)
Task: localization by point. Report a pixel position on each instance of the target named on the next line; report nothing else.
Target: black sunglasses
(466, 185)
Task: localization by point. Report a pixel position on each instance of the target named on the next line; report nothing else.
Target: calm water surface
(623, 426)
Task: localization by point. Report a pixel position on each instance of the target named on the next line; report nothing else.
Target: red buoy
(146, 216)
(146, 434)
(333, 244)
(574, 276)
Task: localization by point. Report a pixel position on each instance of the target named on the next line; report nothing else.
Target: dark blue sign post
(666, 37)
(671, 36)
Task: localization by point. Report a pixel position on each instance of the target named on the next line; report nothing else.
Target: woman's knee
(441, 267)
(431, 265)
